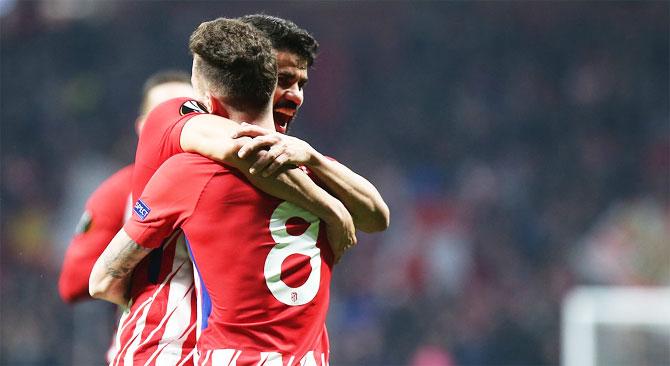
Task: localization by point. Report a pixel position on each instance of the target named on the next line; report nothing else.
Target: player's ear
(215, 107)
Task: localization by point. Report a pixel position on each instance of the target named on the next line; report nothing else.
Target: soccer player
(110, 204)
(159, 324)
(181, 125)
(296, 50)
(209, 135)
(263, 264)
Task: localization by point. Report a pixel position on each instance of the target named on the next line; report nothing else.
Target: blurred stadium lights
(6, 7)
(58, 10)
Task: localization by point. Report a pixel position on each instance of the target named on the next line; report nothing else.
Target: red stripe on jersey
(159, 327)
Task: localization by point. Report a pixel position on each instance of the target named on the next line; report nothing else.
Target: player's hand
(341, 233)
(281, 150)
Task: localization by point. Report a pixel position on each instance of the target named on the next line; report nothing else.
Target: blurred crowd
(523, 148)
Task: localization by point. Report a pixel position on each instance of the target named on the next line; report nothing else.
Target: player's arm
(212, 136)
(368, 209)
(112, 272)
(294, 185)
(81, 254)
(167, 200)
(102, 219)
(361, 198)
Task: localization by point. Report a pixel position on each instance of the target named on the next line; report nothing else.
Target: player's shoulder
(177, 107)
(123, 175)
(188, 158)
(181, 175)
(187, 165)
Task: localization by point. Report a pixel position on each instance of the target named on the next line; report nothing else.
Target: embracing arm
(294, 185)
(212, 136)
(112, 272)
(361, 198)
(367, 207)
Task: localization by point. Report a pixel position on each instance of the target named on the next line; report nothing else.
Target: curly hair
(238, 62)
(285, 35)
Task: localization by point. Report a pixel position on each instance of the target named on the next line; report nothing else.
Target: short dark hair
(285, 35)
(162, 77)
(238, 61)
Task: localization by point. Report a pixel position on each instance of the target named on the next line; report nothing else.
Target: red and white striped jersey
(263, 265)
(159, 326)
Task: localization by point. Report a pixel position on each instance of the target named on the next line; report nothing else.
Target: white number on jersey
(286, 245)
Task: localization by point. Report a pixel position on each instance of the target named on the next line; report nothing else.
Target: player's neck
(263, 119)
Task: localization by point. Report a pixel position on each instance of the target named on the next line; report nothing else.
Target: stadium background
(524, 149)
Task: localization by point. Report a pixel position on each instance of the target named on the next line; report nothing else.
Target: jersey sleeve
(103, 217)
(160, 137)
(169, 198)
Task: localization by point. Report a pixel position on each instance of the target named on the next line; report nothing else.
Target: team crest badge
(84, 223)
(192, 106)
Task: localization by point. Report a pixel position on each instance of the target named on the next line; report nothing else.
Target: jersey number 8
(286, 245)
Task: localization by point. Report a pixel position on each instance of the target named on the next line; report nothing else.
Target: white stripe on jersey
(181, 290)
(181, 340)
(124, 324)
(192, 354)
(135, 341)
(178, 291)
(117, 339)
(129, 208)
(171, 308)
(198, 311)
(207, 354)
(224, 356)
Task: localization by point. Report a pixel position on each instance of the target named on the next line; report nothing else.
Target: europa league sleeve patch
(192, 106)
(141, 209)
(84, 223)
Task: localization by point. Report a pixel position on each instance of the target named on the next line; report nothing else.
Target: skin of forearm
(293, 185)
(211, 137)
(361, 198)
(111, 274)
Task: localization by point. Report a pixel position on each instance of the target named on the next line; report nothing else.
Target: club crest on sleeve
(141, 209)
(192, 106)
(84, 223)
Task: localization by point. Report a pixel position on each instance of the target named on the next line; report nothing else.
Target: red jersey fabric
(160, 138)
(159, 326)
(106, 210)
(263, 265)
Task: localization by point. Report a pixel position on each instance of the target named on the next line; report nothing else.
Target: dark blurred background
(523, 148)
